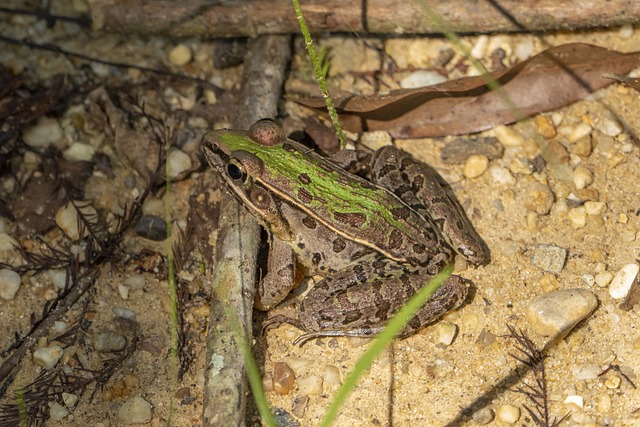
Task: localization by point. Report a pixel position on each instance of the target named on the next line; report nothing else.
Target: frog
(376, 227)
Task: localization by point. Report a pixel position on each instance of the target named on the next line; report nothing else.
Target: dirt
(417, 380)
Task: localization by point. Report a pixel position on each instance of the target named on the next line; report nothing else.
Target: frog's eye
(236, 171)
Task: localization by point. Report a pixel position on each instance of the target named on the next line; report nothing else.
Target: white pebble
(123, 291)
(480, 47)
(422, 78)
(621, 283)
(7, 242)
(376, 139)
(594, 208)
(9, 284)
(588, 279)
(475, 165)
(610, 127)
(501, 175)
(67, 220)
(556, 313)
(625, 31)
(580, 131)
(45, 132)
(582, 177)
(57, 412)
(58, 278)
(48, 357)
(524, 49)
(135, 281)
(178, 162)
(508, 414)
(445, 332)
(79, 152)
(575, 400)
(180, 55)
(135, 411)
(69, 399)
(586, 372)
(578, 217)
(310, 385)
(508, 137)
(603, 403)
(331, 375)
(603, 279)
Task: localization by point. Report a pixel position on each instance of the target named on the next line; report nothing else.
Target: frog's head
(237, 160)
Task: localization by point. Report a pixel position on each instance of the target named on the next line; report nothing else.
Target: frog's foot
(277, 320)
(359, 332)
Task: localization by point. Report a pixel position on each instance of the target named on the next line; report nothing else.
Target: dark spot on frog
(418, 248)
(406, 162)
(400, 213)
(301, 245)
(309, 222)
(288, 147)
(354, 219)
(351, 316)
(383, 305)
(402, 189)
(395, 239)
(358, 268)
(304, 178)
(385, 170)
(417, 183)
(339, 245)
(316, 258)
(304, 196)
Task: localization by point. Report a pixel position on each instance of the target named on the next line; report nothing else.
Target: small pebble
(69, 399)
(376, 139)
(582, 147)
(79, 152)
(501, 175)
(300, 405)
(586, 372)
(609, 126)
(45, 132)
(575, 400)
(445, 332)
(331, 375)
(577, 216)
(508, 414)
(603, 403)
(458, 150)
(625, 31)
(612, 382)
(123, 291)
(549, 258)
(67, 218)
(555, 153)
(178, 163)
(475, 166)
(421, 78)
(7, 242)
(48, 357)
(623, 280)
(545, 126)
(135, 411)
(9, 284)
(508, 137)
(152, 227)
(603, 279)
(284, 418)
(582, 177)
(557, 312)
(540, 199)
(483, 416)
(57, 412)
(588, 279)
(124, 313)
(581, 130)
(524, 49)
(310, 385)
(108, 341)
(180, 55)
(58, 278)
(284, 379)
(594, 208)
(135, 281)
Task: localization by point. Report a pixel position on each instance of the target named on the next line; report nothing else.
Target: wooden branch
(234, 274)
(257, 17)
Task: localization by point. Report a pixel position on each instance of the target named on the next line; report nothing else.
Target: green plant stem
(395, 326)
(317, 68)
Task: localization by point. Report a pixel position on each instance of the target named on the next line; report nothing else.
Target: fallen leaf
(547, 81)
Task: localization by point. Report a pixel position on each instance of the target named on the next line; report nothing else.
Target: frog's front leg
(358, 301)
(279, 280)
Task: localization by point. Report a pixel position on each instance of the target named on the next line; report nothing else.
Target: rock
(508, 137)
(445, 332)
(180, 55)
(9, 284)
(67, 218)
(79, 152)
(57, 412)
(283, 378)
(135, 411)
(331, 375)
(48, 357)
(109, 341)
(459, 150)
(501, 175)
(124, 313)
(7, 242)
(508, 414)
(549, 258)
(310, 385)
(580, 131)
(623, 280)
(582, 177)
(152, 227)
(545, 127)
(556, 313)
(475, 166)
(578, 217)
(483, 416)
(45, 132)
(178, 163)
(376, 139)
(284, 419)
(421, 78)
(540, 199)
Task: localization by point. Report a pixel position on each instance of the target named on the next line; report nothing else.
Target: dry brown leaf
(549, 80)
